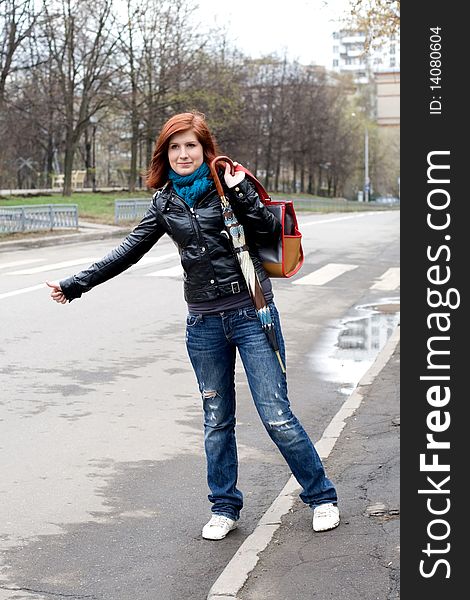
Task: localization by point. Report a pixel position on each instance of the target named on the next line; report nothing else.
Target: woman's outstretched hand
(56, 293)
(233, 180)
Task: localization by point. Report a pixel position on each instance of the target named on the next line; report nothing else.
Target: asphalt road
(103, 492)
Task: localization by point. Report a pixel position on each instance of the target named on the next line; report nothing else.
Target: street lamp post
(366, 163)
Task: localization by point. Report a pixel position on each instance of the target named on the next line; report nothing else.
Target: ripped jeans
(211, 341)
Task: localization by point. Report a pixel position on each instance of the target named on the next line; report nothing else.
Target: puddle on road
(350, 346)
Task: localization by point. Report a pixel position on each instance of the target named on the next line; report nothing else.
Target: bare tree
(215, 87)
(17, 19)
(171, 52)
(130, 44)
(81, 41)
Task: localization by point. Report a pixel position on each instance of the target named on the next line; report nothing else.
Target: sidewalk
(359, 560)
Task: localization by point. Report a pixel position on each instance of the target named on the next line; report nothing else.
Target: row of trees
(89, 83)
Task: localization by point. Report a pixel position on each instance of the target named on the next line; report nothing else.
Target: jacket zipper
(195, 228)
(197, 232)
(232, 249)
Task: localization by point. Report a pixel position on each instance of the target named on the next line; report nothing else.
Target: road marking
(390, 280)
(23, 291)
(325, 274)
(54, 266)
(18, 263)
(176, 271)
(144, 262)
(321, 222)
(151, 260)
(147, 260)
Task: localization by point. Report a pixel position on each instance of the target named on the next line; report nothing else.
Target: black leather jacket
(211, 269)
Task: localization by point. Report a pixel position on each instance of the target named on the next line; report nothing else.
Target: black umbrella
(237, 235)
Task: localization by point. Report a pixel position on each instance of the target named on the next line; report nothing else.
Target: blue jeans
(211, 341)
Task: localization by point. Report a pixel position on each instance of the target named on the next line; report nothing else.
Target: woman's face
(185, 152)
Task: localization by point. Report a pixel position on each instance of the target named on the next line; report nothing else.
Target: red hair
(157, 173)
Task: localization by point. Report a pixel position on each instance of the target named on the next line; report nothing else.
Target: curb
(237, 571)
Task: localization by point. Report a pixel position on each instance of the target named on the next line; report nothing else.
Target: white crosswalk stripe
(19, 263)
(54, 266)
(32, 288)
(144, 262)
(390, 280)
(325, 274)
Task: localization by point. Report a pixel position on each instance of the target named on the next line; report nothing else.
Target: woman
(221, 316)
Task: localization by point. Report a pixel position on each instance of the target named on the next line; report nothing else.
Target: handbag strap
(262, 193)
(290, 218)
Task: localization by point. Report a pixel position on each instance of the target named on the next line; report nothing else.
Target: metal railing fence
(339, 205)
(38, 217)
(130, 209)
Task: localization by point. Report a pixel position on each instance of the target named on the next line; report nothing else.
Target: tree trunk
(134, 150)
(68, 166)
(278, 170)
(88, 160)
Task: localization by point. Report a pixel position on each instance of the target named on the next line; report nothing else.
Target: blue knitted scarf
(191, 187)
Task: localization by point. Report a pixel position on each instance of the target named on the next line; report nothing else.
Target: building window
(335, 49)
(335, 62)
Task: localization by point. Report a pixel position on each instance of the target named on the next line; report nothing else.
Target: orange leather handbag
(285, 256)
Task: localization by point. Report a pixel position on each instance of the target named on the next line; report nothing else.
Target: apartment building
(349, 55)
(379, 66)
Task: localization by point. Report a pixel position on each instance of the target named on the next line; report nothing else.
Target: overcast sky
(301, 27)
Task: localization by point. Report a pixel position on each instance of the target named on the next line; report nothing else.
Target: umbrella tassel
(267, 324)
(278, 354)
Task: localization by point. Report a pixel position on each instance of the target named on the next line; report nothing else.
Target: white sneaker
(218, 527)
(325, 517)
